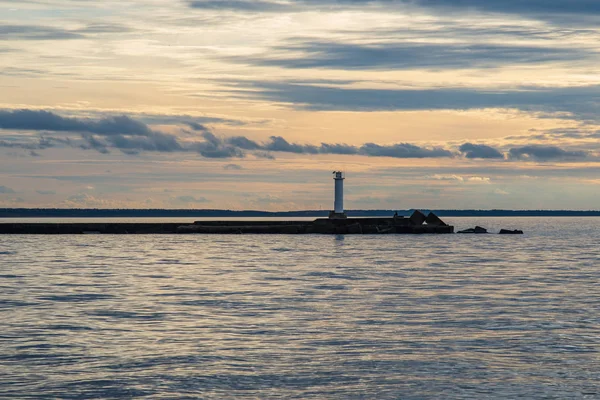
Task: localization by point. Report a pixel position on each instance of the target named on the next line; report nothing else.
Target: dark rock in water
(477, 229)
(509, 232)
(417, 218)
(434, 220)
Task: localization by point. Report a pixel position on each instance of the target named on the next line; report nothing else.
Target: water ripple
(304, 317)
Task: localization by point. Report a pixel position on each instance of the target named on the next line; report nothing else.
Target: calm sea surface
(305, 317)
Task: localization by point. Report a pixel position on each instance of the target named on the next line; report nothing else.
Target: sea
(305, 317)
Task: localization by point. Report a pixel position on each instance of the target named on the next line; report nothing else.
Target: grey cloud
(45, 120)
(92, 143)
(214, 147)
(471, 150)
(232, 167)
(278, 143)
(264, 154)
(131, 137)
(554, 10)
(122, 132)
(458, 30)
(243, 143)
(338, 148)
(582, 102)
(196, 126)
(37, 32)
(156, 141)
(6, 190)
(403, 150)
(411, 56)
(544, 153)
(559, 11)
(400, 150)
(500, 6)
(33, 32)
(45, 192)
(40, 144)
(104, 28)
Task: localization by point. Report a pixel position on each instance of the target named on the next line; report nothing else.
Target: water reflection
(339, 238)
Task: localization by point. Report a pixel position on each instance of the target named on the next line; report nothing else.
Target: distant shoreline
(206, 213)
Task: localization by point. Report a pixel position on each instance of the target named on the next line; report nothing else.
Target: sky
(235, 104)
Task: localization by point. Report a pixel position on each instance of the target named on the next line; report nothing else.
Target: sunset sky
(236, 104)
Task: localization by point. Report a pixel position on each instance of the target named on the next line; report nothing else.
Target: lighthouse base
(334, 215)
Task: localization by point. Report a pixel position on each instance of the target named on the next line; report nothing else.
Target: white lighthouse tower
(338, 205)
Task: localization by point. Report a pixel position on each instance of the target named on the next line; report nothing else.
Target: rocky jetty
(417, 223)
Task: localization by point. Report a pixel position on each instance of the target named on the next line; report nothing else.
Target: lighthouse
(338, 205)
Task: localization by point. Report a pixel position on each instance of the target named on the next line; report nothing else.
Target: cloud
(402, 150)
(544, 153)
(232, 167)
(238, 5)
(40, 32)
(6, 190)
(196, 126)
(45, 192)
(104, 28)
(192, 199)
(214, 147)
(408, 55)
(471, 150)
(264, 154)
(278, 143)
(38, 144)
(460, 178)
(92, 143)
(31, 32)
(25, 119)
(155, 141)
(574, 11)
(132, 136)
(121, 132)
(580, 102)
(399, 150)
(542, 9)
(338, 148)
(243, 143)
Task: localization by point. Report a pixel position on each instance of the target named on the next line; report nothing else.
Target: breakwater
(416, 224)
